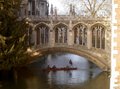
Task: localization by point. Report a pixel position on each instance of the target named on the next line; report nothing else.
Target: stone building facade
(38, 8)
(115, 58)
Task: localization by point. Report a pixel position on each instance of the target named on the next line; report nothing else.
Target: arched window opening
(42, 34)
(80, 34)
(98, 36)
(60, 33)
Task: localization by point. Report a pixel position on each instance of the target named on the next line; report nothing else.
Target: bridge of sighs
(84, 36)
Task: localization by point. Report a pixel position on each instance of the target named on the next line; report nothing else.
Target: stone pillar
(89, 38)
(115, 52)
(51, 35)
(70, 34)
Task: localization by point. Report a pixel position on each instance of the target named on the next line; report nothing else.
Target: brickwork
(115, 61)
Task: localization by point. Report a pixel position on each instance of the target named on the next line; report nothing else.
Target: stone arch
(60, 23)
(91, 57)
(42, 33)
(98, 23)
(98, 35)
(60, 31)
(80, 33)
(79, 23)
(40, 23)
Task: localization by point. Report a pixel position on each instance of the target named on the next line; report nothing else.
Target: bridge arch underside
(93, 58)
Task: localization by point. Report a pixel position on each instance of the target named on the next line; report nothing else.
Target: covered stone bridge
(86, 37)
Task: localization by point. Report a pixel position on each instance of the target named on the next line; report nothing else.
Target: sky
(57, 4)
(63, 5)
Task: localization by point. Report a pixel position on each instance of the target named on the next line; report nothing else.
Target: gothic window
(60, 33)
(80, 34)
(42, 34)
(98, 36)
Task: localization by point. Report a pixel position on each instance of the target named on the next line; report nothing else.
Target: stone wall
(115, 58)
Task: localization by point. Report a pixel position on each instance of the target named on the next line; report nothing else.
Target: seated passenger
(54, 67)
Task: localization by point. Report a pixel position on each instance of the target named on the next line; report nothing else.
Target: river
(87, 76)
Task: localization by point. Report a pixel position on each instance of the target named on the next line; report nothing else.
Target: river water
(88, 76)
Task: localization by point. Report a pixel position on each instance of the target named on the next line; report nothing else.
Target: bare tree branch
(90, 4)
(94, 5)
(86, 6)
(99, 7)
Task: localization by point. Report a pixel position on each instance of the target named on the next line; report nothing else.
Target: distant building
(38, 8)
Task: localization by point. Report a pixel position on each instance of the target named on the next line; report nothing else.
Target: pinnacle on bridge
(51, 10)
(55, 11)
(72, 10)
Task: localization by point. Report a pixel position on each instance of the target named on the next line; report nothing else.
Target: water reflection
(68, 77)
(31, 77)
(35, 79)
